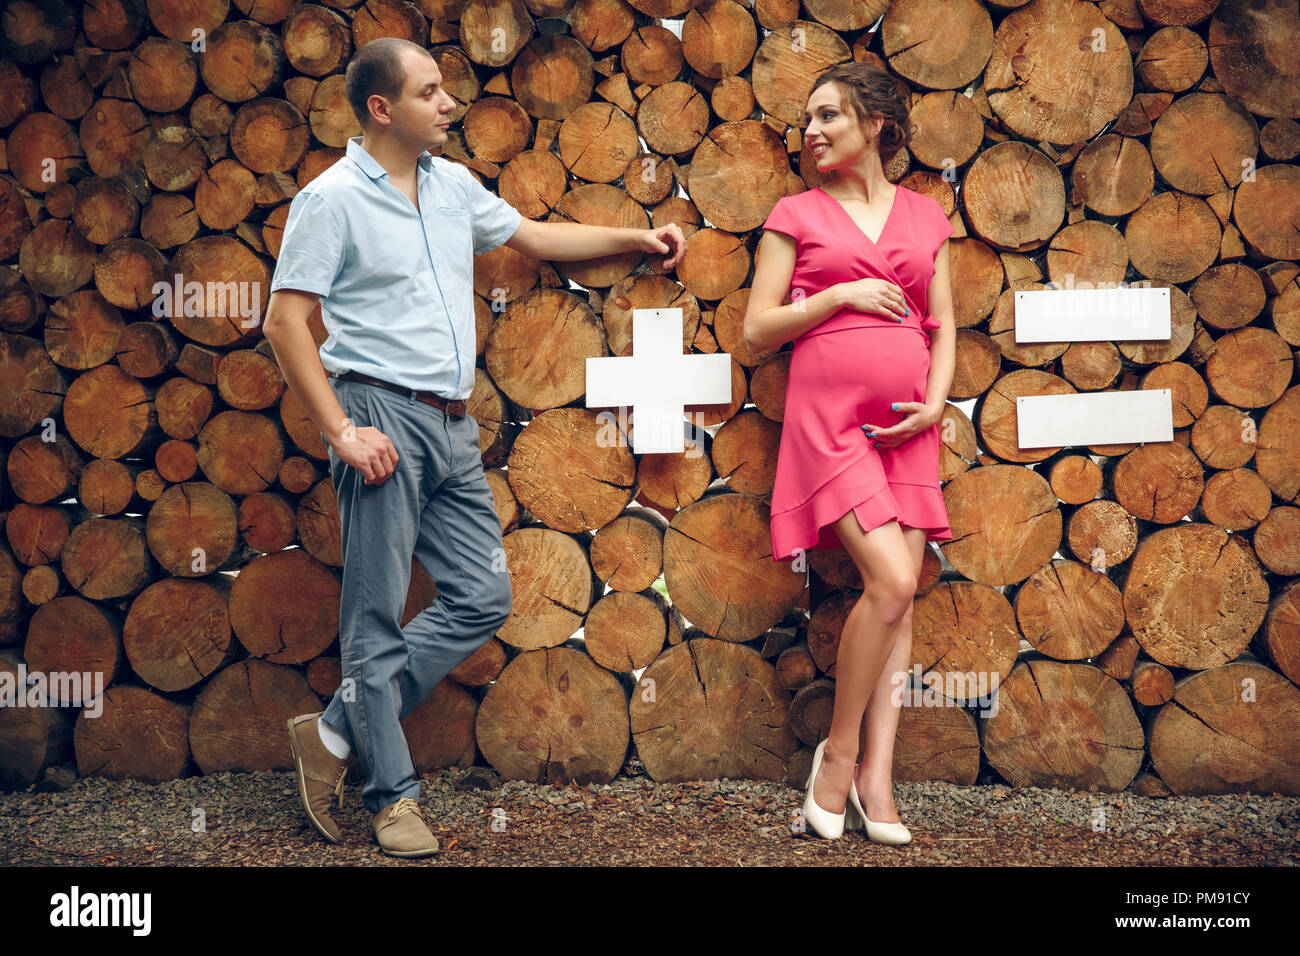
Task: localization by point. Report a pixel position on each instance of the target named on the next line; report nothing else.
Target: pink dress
(847, 370)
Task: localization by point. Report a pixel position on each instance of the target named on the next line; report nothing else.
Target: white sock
(332, 739)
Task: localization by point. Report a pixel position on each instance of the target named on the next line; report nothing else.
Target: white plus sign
(658, 381)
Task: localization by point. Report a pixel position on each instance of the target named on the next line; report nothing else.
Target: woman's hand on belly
(918, 418)
(875, 296)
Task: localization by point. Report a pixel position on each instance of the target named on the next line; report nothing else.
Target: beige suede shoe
(320, 773)
(402, 830)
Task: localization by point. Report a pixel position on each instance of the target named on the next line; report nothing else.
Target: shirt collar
(370, 166)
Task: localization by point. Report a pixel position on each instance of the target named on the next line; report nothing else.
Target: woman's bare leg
(869, 634)
(875, 772)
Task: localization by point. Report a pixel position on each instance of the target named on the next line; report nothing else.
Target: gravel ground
(255, 819)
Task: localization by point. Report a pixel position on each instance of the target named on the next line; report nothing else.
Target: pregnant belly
(851, 376)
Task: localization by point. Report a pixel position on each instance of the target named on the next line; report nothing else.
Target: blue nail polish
(894, 406)
(871, 434)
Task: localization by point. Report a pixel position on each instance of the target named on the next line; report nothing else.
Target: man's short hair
(376, 69)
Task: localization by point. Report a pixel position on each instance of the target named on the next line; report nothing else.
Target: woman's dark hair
(870, 91)
(376, 69)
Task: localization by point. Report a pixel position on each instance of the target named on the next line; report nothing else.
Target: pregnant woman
(863, 265)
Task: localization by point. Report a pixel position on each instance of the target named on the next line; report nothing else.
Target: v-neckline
(854, 223)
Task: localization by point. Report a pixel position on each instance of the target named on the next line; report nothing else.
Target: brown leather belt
(453, 407)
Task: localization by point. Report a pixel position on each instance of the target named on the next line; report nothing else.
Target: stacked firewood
(170, 524)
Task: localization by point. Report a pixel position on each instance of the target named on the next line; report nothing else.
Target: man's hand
(366, 449)
(667, 238)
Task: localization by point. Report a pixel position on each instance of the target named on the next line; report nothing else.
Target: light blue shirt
(396, 285)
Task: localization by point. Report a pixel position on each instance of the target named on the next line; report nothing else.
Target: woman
(864, 266)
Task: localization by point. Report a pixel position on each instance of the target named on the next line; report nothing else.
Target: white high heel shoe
(892, 833)
(826, 824)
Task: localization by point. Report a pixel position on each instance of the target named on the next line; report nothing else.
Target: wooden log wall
(1138, 606)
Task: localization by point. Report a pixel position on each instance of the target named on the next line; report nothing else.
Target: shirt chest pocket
(450, 228)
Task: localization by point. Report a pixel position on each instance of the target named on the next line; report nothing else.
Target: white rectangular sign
(1094, 418)
(1092, 315)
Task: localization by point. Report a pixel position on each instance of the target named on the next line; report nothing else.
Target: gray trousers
(436, 505)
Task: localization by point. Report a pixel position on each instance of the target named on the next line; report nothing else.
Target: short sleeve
(782, 218)
(492, 218)
(311, 250)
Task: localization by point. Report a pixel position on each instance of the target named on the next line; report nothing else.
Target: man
(385, 239)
